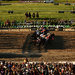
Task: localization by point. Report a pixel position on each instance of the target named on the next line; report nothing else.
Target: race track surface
(17, 46)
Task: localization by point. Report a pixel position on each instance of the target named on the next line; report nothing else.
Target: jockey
(37, 32)
(42, 36)
(48, 34)
(47, 37)
(38, 39)
(43, 31)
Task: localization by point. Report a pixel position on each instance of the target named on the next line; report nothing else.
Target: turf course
(46, 10)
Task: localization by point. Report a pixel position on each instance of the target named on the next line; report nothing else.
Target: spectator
(29, 15)
(33, 15)
(2, 24)
(25, 60)
(26, 14)
(37, 15)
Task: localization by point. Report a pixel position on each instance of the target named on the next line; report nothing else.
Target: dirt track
(16, 46)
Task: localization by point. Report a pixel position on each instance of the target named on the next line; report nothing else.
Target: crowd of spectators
(16, 23)
(35, 68)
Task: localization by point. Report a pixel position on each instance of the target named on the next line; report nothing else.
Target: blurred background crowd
(36, 68)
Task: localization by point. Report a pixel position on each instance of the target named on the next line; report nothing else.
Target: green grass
(42, 8)
(9, 1)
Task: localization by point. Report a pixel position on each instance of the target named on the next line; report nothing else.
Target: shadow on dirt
(58, 43)
(13, 55)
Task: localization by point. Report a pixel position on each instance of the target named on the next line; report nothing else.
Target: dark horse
(40, 41)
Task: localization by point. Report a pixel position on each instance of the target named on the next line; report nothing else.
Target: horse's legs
(45, 44)
(39, 44)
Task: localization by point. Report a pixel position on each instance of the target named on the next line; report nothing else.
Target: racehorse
(42, 39)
